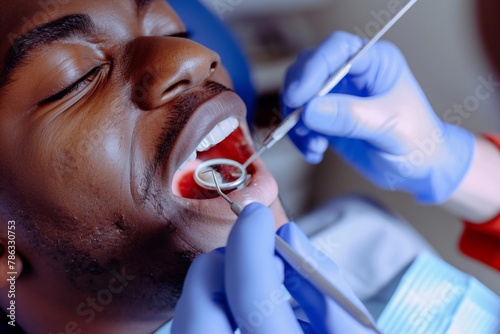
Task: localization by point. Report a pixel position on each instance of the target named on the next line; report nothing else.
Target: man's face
(105, 101)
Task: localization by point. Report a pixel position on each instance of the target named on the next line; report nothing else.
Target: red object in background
(482, 241)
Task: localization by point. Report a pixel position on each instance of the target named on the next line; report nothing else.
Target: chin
(218, 129)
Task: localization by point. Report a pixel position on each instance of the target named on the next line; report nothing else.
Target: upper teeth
(220, 132)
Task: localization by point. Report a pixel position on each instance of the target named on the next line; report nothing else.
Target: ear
(11, 263)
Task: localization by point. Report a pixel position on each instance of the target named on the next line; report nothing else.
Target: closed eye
(81, 83)
(91, 74)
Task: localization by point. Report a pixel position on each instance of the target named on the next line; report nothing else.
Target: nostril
(176, 85)
(213, 66)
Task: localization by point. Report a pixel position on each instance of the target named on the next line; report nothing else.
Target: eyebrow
(62, 28)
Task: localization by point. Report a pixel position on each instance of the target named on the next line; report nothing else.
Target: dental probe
(298, 264)
(291, 120)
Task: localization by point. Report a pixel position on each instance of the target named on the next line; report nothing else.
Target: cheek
(71, 164)
(95, 153)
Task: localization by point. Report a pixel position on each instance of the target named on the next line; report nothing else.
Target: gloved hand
(242, 285)
(377, 119)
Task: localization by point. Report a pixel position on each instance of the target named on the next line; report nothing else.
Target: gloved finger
(311, 144)
(255, 293)
(375, 72)
(202, 307)
(325, 315)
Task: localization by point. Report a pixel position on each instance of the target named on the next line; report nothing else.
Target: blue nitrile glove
(377, 118)
(242, 285)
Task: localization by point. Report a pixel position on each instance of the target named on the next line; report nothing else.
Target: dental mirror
(230, 174)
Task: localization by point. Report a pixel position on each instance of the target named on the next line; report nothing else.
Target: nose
(163, 67)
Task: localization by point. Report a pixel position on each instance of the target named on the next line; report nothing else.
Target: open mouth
(217, 129)
(225, 140)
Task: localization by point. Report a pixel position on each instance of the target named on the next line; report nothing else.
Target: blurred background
(440, 42)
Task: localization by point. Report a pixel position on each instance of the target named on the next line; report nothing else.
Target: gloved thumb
(255, 221)
(342, 115)
(203, 299)
(252, 264)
